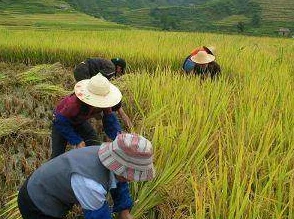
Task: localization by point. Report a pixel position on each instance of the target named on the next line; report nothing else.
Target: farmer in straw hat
(202, 64)
(84, 176)
(92, 97)
(108, 68)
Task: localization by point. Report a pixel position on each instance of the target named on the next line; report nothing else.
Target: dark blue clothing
(121, 197)
(67, 129)
(63, 131)
(102, 213)
(188, 65)
(70, 124)
(71, 112)
(121, 201)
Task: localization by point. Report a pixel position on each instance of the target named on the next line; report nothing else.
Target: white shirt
(90, 194)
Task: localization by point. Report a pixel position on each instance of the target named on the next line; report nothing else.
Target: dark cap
(120, 62)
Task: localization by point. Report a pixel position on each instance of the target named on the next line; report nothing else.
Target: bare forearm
(125, 118)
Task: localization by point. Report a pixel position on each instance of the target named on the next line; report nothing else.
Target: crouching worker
(110, 69)
(84, 176)
(202, 62)
(93, 98)
(92, 66)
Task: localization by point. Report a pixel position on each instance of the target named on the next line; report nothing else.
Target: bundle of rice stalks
(2, 80)
(10, 210)
(41, 73)
(50, 90)
(2, 76)
(12, 124)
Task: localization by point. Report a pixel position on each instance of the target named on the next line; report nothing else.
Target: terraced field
(49, 14)
(281, 10)
(73, 21)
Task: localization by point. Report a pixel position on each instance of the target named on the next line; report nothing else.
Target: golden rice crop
(223, 149)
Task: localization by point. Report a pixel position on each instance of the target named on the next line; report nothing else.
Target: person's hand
(125, 214)
(81, 144)
(129, 124)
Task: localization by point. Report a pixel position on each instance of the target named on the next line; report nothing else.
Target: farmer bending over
(84, 176)
(108, 68)
(202, 64)
(92, 98)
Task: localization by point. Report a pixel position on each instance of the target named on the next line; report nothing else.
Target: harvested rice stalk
(10, 210)
(12, 124)
(40, 73)
(51, 90)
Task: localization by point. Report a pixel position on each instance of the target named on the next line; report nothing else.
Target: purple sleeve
(63, 125)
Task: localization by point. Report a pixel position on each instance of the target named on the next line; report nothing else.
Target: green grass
(63, 21)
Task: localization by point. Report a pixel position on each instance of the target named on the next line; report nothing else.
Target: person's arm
(125, 118)
(64, 126)
(121, 194)
(92, 197)
(101, 213)
(125, 214)
(111, 124)
(122, 200)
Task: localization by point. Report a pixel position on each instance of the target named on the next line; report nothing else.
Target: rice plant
(223, 149)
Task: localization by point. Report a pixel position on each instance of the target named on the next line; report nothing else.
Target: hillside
(48, 14)
(248, 16)
(277, 14)
(282, 10)
(257, 17)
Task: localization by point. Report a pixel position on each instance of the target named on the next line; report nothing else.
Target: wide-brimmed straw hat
(98, 92)
(130, 156)
(211, 49)
(202, 58)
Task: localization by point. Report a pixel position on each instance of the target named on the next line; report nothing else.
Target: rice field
(223, 149)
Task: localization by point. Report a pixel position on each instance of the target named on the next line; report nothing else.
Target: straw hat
(202, 58)
(98, 92)
(130, 156)
(212, 49)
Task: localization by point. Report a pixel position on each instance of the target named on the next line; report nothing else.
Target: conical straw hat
(202, 58)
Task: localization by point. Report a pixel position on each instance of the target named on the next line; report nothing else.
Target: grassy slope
(223, 18)
(46, 14)
(216, 15)
(212, 16)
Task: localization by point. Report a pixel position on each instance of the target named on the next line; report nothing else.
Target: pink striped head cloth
(130, 156)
